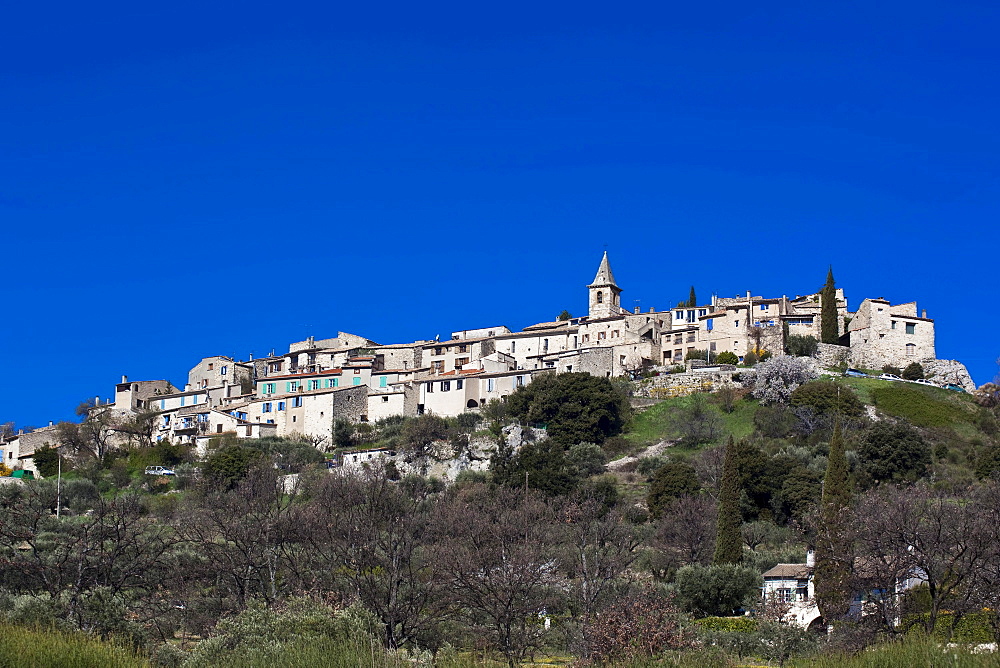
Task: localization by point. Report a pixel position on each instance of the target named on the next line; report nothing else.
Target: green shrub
(716, 590)
(826, 396)
(799, 345)
(727, 357)
(735, 624)
(976, 627)
(913, 371)
(895, 370)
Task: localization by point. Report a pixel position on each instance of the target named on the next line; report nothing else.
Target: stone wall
(831, 356)
(704, 379)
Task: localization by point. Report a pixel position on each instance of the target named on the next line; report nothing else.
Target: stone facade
(881, 334)
(831, 356)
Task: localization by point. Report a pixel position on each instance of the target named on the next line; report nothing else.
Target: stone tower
(604, 300)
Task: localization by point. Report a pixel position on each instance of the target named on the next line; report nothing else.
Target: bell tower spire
(604, 292)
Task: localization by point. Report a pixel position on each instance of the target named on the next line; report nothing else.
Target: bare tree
(244, 533)
(685, 535)
(496, 556)
(598, 546)
(373, 535)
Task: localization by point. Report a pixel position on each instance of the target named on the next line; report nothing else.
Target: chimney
(50, 423)
(187, 387)
(97, 401)
(923, 313)
(652, 310)
(124, 378)
(637, 310)
(810, 557)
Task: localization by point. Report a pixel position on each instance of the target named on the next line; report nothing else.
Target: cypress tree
(833, 550)
(728, 542)
(692, 299)
(828, 312)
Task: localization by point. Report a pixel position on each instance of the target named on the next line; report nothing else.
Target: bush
(733, 624)
(726, 357)
(671, 481)
(913, 371)
(230, 464)
(799, 345)
(717, 590)
(893, 453)
(974, 627)
(895, 370)
(576, 407)
(775, 421)
(642, 624)
(826, 396)
(588, 458)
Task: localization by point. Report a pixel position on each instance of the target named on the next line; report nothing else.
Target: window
(911, 328)
(166, 421)
(383, 381)
(615, 333)
(274, 366)
(281, 405)
(430, 387)
(513, 346)
(519, 381)
(691, 316)
(702, 312)
(602, 335)
(163, 404)
(461, 361)
(586, 338)
(459, 384)
(911, 349)
(357, 381)
(736, 323)
(445, 386)
(269, 421)
(210, 366)
(293, 386)
(385, 400)
(490, 384)
(296, 402)
(357, 371)
(763, 307)
(268, 388)
(334, 382)
(313, 384)
(600, 297)
(545, 345)
(893, 325)
(182, 400)
(223, 370)
(266, 407)
(680, 315)
(464, 348)
(438, 350)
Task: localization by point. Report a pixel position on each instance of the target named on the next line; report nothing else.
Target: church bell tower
(604, 292)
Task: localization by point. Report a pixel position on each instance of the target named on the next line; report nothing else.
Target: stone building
(218, 371)
(881, 334)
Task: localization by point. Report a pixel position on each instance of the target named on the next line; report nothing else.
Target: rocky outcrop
(948, 371)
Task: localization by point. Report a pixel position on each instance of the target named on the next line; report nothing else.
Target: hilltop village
(303, 392)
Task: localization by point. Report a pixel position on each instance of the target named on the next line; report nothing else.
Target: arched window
(911, 349)
(600, 297)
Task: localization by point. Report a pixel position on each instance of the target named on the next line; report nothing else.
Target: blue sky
(186, 180)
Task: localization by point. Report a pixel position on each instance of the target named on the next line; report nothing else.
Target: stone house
(792, 586)
(217, 371)
(881, 334)
(442, 356)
